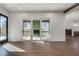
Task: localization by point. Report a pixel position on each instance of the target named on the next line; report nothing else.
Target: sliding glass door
(3, 28)
(45, 29)
(36, 29)
(27, 30)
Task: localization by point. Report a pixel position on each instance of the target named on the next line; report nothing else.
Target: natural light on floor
(12, 48)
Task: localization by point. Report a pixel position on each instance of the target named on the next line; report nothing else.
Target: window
(36, 29)
(45, 29)
(3, 28)
(27, 30)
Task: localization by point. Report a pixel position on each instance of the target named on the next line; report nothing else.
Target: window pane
(27, 30)
(36, 30)
(27, 36)
(36, 24)
(27, 25)
(45, 25)
(45, 34)
(3, 27)
(45, 29)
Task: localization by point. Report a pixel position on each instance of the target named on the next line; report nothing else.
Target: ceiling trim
(37, 11)
(72, 7)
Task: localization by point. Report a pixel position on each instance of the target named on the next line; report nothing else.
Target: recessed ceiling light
(20, 8)
(72, 13)
(53, 8)
(75, 24)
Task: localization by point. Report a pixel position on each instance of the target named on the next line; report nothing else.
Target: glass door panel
(27, 30)
(3, 28)
(36, 30)
(45, 29)
(45, 25)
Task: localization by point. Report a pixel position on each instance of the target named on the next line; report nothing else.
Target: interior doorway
(76, 33)
(68, 32)
(3, 28)
(36, 29)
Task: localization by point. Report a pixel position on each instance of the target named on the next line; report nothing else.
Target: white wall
(3, 11)
(70, 17)
(57, 30)
(15, 24)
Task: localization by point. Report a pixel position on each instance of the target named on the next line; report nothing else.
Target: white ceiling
(73, 14)
(17, 7)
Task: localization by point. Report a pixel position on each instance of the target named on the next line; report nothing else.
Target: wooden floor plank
(43, 48)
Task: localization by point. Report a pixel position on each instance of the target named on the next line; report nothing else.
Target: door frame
(6, 26)
(40, 27)
(66, 33)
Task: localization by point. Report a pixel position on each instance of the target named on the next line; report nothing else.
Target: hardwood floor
(41, 48)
